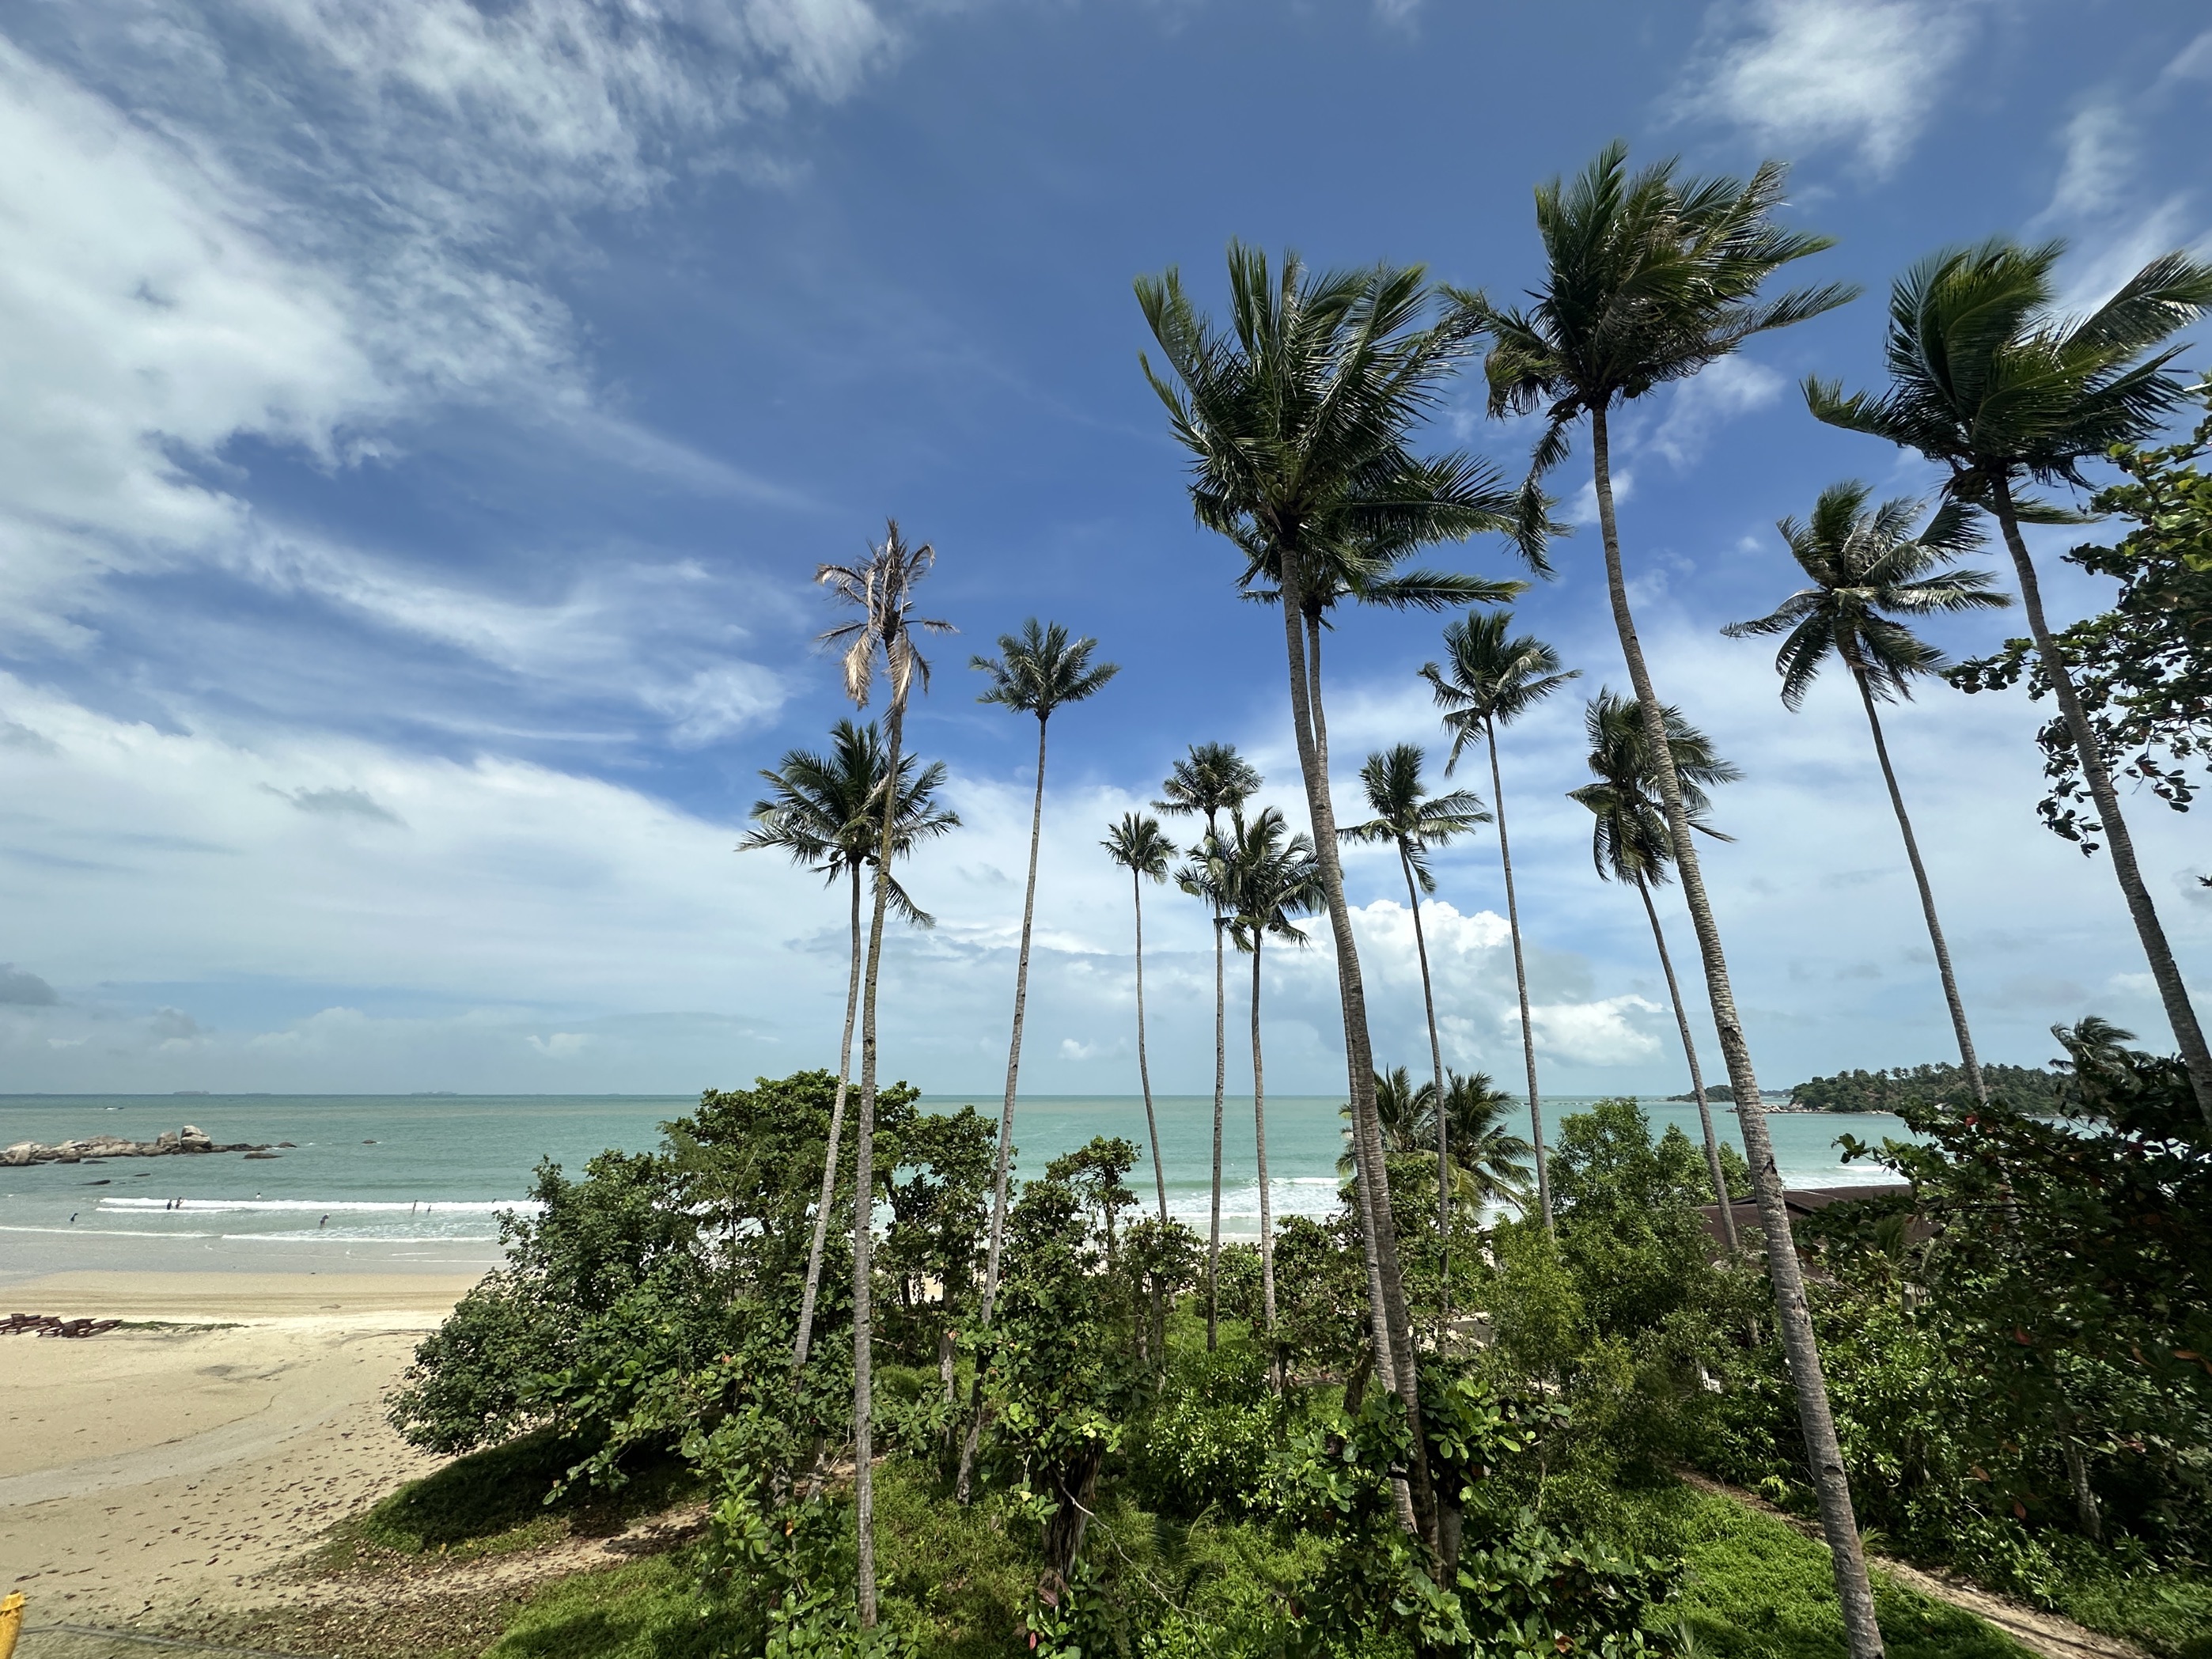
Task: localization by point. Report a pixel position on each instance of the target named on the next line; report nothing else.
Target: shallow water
(415, 1181)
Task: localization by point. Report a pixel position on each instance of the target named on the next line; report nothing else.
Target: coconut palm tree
(1299, 421)
(1629, 844)
(1209, 875)
(1363, 572)
(1487, 1157)
(1868, 570)
(1650, 278)
(1489, 680)
(881, 589)
(820, 811)
(1037, 671)
(1409, 818)
(1274, 877)
(1210, 779)
(1137, 845)
(1989, 380)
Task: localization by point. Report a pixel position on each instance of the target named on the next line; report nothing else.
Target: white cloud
(1590, 1033)
(312, 221)
(1797, 73)
(2101, 158)
(1732, 387)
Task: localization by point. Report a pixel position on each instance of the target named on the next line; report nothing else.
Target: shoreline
(183, 1459)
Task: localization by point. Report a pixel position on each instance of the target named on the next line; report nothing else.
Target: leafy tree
(1300, 420)
(2142, 670)
(1629, 844)
(1488, 680)
(1990, 381)
(1486, 1167)
(2055, 1276)
(1410, 819)
(938, 1198)
(819, 813)
(1648, 279)
(1869, 570)
(881, 588)
(1137, 845)
(1274, 877)
(1940, 1084)
(1056, 1382)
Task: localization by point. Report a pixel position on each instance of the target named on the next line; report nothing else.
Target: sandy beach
(166, 1465)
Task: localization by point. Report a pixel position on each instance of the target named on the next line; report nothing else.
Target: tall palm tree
(1210, 779)
(1208, 874)
(1274, 877)
(1989, 380)
(881, 588)
(820, 811)
(1137, 845)
(1037, 671)
(1867, 569)
(1363, 571)
(1409, 818)
(1490, 680)
(1300, 420)
(1629, 844)
(1648, 279)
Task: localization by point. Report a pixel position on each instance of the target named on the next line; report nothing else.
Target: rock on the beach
(187, 1140)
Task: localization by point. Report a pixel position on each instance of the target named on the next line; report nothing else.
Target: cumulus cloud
(1864, 73)
(21, 989)
(1599, 1033)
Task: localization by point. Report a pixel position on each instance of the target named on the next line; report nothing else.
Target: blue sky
(425, 418)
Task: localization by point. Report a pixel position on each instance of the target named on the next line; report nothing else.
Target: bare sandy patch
(156, 1469)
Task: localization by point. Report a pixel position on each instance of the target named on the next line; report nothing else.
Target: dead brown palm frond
(881, 588)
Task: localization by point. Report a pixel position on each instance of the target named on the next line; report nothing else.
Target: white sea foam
(331, 1205)
(352, 1235)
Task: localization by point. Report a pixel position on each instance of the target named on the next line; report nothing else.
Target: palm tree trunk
(961, 1483)
(1966, 1057)
(1713, 1165)
(1520, 980)
(1794, 1319)
(829, 1158)
(1387, 1311)
(864, 1186)
(1436, 1062)
(2188, 1035)
(1143, 1069)
(1220, 1082)
(1260, 1133)
(1313, 693)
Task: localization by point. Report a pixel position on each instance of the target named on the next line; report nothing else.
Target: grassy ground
(1758, 1589)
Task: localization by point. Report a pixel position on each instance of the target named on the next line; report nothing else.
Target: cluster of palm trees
(1300, 418)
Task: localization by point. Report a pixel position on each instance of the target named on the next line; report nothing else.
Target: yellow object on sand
(11, 1621)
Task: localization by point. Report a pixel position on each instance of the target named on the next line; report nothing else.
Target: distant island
(2026, 1087)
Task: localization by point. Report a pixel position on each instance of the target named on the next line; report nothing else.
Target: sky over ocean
(425, 417)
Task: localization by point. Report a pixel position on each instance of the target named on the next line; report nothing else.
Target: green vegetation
(1032, 1419)
(1135, 1491)
(1942, 1083)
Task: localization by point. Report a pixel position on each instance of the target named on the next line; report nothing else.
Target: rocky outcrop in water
(187, 1140)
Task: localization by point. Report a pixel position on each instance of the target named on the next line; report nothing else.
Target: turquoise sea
(398, 1182)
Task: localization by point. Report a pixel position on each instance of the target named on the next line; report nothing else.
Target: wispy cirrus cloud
(1864, 75)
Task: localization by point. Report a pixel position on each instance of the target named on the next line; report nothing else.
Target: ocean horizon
(417, 1181)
